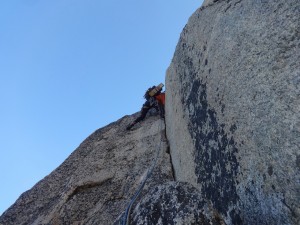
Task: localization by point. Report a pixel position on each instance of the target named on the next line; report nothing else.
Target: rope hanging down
(149, 173)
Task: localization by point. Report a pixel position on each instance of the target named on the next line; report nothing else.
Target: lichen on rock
(174, 203)
(233, 89)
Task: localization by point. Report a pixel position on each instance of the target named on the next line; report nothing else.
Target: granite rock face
(95, 184)
(233, 109)
(233, 125)
(175, 203)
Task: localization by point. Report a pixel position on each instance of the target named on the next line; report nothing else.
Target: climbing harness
(149, 173)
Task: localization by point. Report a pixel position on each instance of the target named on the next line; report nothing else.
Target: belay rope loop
(149, 173)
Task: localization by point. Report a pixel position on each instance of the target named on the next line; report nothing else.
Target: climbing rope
(126, 217)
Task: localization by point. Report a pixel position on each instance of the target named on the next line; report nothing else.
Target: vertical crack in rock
(169, 151)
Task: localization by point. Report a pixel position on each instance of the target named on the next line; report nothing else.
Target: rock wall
(95, 184)
(233, 108)
(175, 203)
(101, 177)
(233, 124)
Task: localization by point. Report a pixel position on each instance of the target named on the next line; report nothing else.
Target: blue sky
(69, 67)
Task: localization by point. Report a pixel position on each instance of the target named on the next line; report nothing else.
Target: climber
(154, 99)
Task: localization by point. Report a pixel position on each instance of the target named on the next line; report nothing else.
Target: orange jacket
(161, 98)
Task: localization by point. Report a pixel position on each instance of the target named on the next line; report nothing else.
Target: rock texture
(233, 124)
(233, 109)
(175, 203)
(95, 184)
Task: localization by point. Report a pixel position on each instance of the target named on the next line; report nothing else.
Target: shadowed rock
(174, 203)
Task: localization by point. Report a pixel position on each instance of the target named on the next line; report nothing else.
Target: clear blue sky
(69, 67)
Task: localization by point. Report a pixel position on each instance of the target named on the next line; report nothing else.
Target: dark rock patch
(174, 203)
